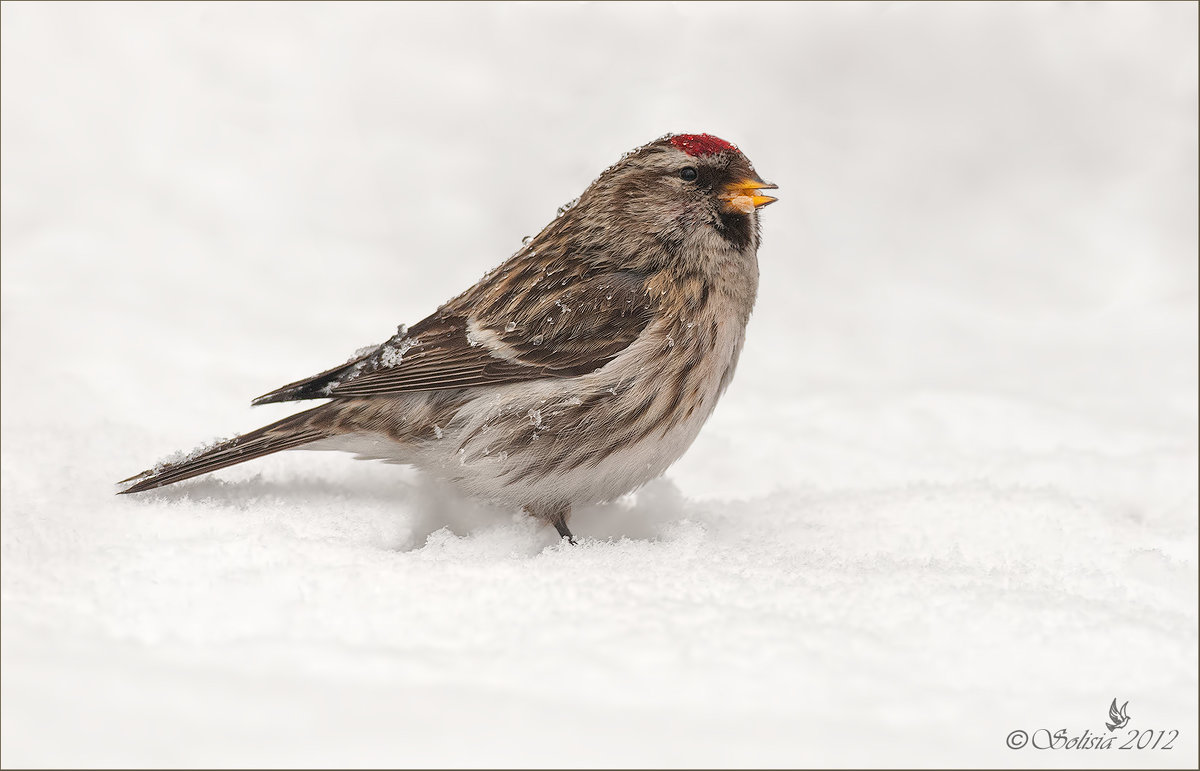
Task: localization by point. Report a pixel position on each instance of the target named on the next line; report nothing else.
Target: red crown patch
(700, 145)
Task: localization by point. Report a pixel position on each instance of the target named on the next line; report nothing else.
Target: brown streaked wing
(577, 328)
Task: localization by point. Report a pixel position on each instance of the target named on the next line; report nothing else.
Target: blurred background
(973, 363)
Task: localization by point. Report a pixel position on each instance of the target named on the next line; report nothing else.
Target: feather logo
(1116, 716)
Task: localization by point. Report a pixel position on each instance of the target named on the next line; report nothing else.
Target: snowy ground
(952, 492)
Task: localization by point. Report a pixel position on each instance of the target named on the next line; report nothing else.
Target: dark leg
(557, 516)
(563, 531)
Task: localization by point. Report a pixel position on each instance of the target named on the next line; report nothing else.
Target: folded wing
(515, 332)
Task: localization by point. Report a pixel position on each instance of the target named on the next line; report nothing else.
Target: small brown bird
(576, 371)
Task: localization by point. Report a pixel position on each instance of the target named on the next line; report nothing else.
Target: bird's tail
(289, 433)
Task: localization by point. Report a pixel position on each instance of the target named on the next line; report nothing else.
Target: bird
(1117, 717)
(574, 372)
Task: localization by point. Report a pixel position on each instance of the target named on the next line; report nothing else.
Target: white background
(951, 493)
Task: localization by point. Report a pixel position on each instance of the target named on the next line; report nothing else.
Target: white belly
(564, 441)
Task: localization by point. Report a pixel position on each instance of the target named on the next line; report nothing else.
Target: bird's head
(716, 172)
(679, 191)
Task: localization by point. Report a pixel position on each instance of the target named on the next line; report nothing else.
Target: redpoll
(577, 370)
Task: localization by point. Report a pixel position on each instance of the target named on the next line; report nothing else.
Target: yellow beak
(744, 196)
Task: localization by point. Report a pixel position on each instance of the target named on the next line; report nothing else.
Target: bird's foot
(564, 532)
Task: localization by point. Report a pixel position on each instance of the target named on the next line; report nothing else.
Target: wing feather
(517, 332)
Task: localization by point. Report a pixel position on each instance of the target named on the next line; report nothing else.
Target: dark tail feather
(286, 434)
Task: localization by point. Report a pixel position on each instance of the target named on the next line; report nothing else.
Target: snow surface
(951, 493)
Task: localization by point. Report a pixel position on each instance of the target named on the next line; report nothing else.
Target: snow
(951, 493)
(391, 355)
(182, 456)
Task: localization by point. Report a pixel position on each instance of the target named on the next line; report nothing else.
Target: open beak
(744, 196)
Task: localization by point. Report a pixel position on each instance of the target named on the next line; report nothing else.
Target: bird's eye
(688, 174)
